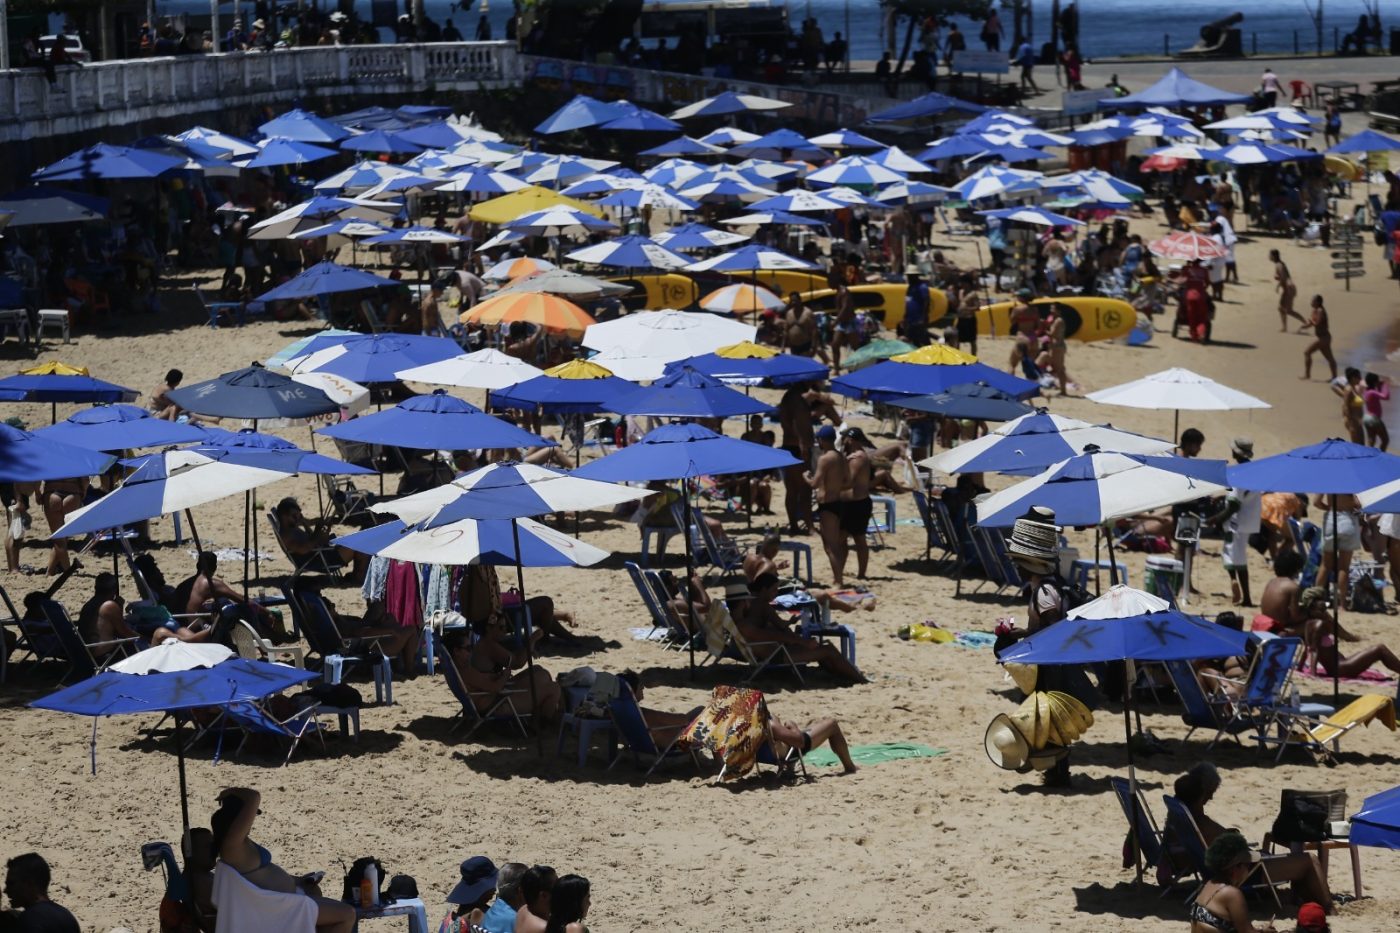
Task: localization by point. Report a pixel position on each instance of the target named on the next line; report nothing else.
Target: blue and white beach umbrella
(1036, 441)
(897, 160)
(683, 146)
(232, 147)
(502, 491)
(630, 252)
(751, 258)
(728, 103)
(372, 358)
(845, 139)
(467, 542)
(1033, 215)
(119, 427)
(656, 197)
(991, 181)
(435, 422)
(855, 172)
(697, 236)
(783, 218)
(478, 179)
(559, 221)
(673, 173)
(360, 176)
(728, 136)
(304, 126)
(798, 200)
(279, 151)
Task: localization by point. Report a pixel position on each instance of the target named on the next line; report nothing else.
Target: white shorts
(1235, 552)
(1348, 532)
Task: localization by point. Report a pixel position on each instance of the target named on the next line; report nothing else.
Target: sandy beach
(945, 843)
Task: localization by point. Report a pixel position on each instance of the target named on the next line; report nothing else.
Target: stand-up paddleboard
(1343, 168)
(882, 300)
(1086, 319)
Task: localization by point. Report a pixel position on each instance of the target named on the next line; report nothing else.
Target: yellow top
(578, 369)
(935, 354)
(55, 368)
(746, 350)
(534, 198)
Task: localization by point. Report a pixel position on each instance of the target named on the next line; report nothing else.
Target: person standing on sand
(829, 480)
(1377, 390)
(1269, 87)
(1350, 392)
(1287, 292)
(857, 506)
(1239, 517)
(795, 419)
(1322, 339)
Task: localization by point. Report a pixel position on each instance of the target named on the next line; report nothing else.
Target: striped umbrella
(760, 218)
(630, 252)
(538, 308)
(516, 268)
(855, 171)
(1185, 245)
(798, 200)
(697, 236)
(741, 298)
(478, 179)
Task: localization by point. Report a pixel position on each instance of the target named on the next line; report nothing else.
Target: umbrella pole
(1336, 611)
(1131, 675)
(247, 505)
(529, 632)
(53, 413)
(1098, 538)
(253, 520)
(689, 572)
(184, 788)
(194, 532)
(320, 502)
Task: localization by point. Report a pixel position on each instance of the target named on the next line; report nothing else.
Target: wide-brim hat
(1006, 745)
(913, 269)
(478, 880)
(735, 591)
(1035, 542)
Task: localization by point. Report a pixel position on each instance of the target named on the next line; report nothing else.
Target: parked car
(73, 45)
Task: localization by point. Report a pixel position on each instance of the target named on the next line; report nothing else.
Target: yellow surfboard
(1344, 168)
(658, 292)
(883, 301)
(1086, 319)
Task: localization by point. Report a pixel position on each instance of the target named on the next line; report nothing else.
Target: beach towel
(873, 754)
(975, 640)
(1368, 677)
(732, 727)
(1359, 711)
(246, 908)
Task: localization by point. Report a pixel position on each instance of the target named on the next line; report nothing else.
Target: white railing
(31, 107)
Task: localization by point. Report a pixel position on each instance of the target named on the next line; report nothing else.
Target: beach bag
(1365, 595)
(1302, 817)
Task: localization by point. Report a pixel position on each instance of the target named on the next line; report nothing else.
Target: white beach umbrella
(362, 175)
(233, 146)
(727, 103)
(550, 489)
(470, 542)
(855, 170)
(1034, 441)
(482, 154)
(632, 365)
(1201, 150)
(1120, 602)
(896, 159)
(1177, 390)
(488, 369)
(319, 211)
(729, 136)
(173, 655)
(798, 200)
(668, 335)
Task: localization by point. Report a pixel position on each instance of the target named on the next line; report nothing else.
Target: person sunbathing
(758, 621)
(232, 825)
(1220, 906)
(1320, 638)
(376, 625)
(490, 667)
(764, 558)
(1196, 788)
(208, 592)
(1280, 609)
(302, 539)
(815, 734)
(663, 726)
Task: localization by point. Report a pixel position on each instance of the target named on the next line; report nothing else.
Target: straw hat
(1006, 745)
(1035, 541)
(913, 269)
(1242, 447)
(735, 591)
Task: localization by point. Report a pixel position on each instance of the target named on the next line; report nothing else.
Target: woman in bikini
(1220, 906)
(1287, 291)
(488, 668)
(1322, 339)
(1353, 402)
(232, 823)
(61, 496)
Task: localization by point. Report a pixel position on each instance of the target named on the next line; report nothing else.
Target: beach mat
(873, 754)
(1368, 678)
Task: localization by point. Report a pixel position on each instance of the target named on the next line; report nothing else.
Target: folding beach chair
(249, 644)
(656, 607)
(83, 663)
(499, 706)
(1201, 710)
(933, 530)
(1143, 825)
(254, 719)
(338, 653)
(638, 740)
(1263, 700)
(1183, 836)
(723, 640)
(325, 560)
(725, 556)
(1323, 734)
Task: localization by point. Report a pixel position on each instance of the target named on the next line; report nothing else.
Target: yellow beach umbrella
(935, 354)
(746, 350)
(55, 368)
(548, 311)
(579, 369)
(534, 198)
(742, 298)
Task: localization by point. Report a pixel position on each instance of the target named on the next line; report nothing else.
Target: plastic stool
(334, 669)
(349, 716)
(889, 505)
(799, 550)
(663, 535)
(50, 318)
(16, 320)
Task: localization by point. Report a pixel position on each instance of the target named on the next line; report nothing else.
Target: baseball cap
(826, 433)
(1311, 917)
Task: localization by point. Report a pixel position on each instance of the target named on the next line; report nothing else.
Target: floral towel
(733, 727)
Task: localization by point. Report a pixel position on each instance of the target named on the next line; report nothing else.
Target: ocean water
(1106, 27)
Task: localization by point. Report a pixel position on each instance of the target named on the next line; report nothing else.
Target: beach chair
(340, 654)
(723, 640)
(1142, 824)
(369, 314)
(660, 620)
(254, 720)
(725, 556)
(324, 560)
(1262, 699)
(1201, 711)
(992, 571)
(83, 663)
(216, 308)
(499, 707)
(345, 502)
(1323, 735)
(933, 530)
(638, 740)
(680, 635)
(11, 621)
(1183, 836)
(249, 644)
(996, 546)
(949, 531)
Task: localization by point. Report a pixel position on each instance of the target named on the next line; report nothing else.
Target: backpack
(1365, 595)
(1071, 596)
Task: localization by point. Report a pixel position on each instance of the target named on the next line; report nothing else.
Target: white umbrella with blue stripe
(856, 171)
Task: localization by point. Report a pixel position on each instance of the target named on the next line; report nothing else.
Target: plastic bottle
(372, 877)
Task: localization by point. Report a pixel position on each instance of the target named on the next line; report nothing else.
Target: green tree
(918, 10)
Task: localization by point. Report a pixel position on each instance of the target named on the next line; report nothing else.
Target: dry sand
(949, 843)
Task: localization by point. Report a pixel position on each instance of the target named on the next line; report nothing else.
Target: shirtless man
(800, 329)
(161, 405)
(207, 589)
(1026, 326)
(102, 620)
(795, 419)
(830, 480)
(429, 319)
(857, 506)
(1279, 609)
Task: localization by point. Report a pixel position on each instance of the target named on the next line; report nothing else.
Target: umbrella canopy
(170, 482)
(1119, 602)
(875, 351)
(575, 387)
(630, 252)
(254, 393)
(47, 384)
(741, 298)
(912, 192)
(683, 146)
(728, 136)
(362, 175)
(339, 232)
(29, 458)
(488, 369)
(797, 200)
(472, 542)
(567, 284)
(1033, 215)
(433, 422)
(303, 345)
(1185, 245)
(605, 183)
(1093, 488)
(1167, 635)
(782, 218)
(855, 172)
(173, 655)
(375, 358)
(697, 236)
(1035, 441)
(747, 363)
(274, 152)
(729, 187)
(271, 452)
(318, 211)
(1177, 389)
(234, 680)
(326, 278)
(1259, 153)
(686, 393)
(1331, 467)
(678, 451)
(1175, 89)
(674, 172)
(479, 179)
(104, 161)
(897, 160)
(1377, 823)
(751, 258)
(580, 112)
(381, 141)
(503, 491)
(668, 335)
(305, 126)
(975, 400)
(728, 103)
(41, 204)
(928, 105)
(559, 221)
(991, 181)
(543, 310)
(891, 380)
(527, 200)
(845, 139)
(120, 427)
(233, 147)
(555, 170)
(1364, 141)
(628, 117)
(516, 268)
(649, 195)
(416, 234)
(781, 144)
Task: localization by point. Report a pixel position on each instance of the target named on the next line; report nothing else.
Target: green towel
(873, 754)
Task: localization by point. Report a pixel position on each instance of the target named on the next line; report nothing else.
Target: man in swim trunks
(829, 480)
(795, 419)
(857, 506)
(800, 329)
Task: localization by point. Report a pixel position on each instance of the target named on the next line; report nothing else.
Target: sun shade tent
(929, 105)
(1175, 89)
